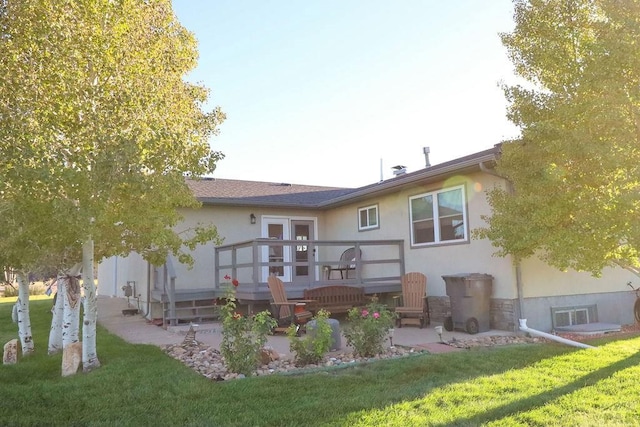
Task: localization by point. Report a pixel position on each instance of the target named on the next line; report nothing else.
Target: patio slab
(138, 330)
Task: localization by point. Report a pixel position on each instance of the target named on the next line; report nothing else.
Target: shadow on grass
(134, 378)
(539, 400)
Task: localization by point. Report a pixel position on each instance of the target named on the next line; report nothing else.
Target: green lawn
(138, 385)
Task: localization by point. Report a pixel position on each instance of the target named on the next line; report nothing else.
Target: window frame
(367, 209)
(436, 218)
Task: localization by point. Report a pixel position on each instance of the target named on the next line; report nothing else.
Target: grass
(138, 385)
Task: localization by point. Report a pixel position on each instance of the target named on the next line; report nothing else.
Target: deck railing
(376, 261)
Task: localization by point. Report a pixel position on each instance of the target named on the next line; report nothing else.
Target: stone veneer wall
(502, 312)
(439, 308)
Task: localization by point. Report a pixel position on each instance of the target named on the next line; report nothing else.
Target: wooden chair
(346, 264)
(286, 311)
(414, 307)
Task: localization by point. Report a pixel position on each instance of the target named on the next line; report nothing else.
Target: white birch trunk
(71, 314)
(24, 320)
(55, 334)
(89, 350)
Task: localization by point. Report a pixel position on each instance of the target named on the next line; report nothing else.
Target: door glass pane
(302, 251)
(276, 252)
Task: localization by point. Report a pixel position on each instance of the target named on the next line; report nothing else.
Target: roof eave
(432, 174)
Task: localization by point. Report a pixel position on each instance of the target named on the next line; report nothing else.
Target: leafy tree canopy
(575, 170)
(98, 129)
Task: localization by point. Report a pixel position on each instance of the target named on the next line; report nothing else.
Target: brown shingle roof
(256, 193)
(236, 192)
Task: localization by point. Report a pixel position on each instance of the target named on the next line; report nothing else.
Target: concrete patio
(136, 329)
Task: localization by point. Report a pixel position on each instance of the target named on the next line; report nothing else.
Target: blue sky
(323, 92)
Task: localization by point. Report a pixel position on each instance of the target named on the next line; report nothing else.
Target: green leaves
(98, 129)
(575, 170)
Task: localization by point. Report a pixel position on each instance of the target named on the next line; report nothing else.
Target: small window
(368, 218)
(438, 217)
(569, 316)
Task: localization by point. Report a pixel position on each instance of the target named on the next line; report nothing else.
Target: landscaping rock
(209, 362)
(10, 353)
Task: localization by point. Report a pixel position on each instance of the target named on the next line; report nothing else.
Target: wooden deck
(378, 271)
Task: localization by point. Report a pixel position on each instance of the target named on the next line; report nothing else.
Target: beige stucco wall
(473, 256)
(541, 280)
(341, 223)
(234, 226)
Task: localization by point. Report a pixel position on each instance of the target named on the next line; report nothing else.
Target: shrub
(312, 348)
(36, 288)
(243, 337)
(367, 328)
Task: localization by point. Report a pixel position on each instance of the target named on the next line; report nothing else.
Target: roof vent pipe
(399, 170)
(426, 151)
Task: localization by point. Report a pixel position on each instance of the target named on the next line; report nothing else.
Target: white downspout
(525, 328)
(516, 262)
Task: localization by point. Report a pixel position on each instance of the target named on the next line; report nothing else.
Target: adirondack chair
(414, 306)
(284, 310)
(347, 263)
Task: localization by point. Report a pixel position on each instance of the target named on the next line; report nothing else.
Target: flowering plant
(367, 328)
(228, 279)
(243, 336)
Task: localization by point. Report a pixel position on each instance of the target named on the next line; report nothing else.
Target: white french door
(282, 228)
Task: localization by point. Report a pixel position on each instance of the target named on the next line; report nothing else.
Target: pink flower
(365, 313)
(227, 277)
(235, 282)
(376, 315)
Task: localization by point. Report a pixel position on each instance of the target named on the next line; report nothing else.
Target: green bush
(367, 328)
(243, 337)
(312, 348)
(35, 288)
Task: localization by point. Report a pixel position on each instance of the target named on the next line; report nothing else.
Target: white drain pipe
(525, 328)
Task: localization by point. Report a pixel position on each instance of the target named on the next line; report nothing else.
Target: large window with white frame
(438, 217)
(368, 218)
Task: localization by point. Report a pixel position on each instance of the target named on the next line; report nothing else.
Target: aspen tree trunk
(66, 312)
(71, 313)
(89, 350)
(55, 334)
(24, 320)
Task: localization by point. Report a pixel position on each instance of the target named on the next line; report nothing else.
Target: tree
(98, 130)
(575, 169)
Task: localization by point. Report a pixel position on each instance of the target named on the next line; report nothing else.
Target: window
(578, 315)
(439, 216)
(368, 217)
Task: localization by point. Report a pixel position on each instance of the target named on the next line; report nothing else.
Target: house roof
(214, 191)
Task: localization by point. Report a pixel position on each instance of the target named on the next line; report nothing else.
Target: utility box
(470, 298)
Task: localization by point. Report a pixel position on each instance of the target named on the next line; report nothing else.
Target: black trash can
(470, 297)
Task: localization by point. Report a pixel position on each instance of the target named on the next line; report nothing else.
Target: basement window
(576, 315)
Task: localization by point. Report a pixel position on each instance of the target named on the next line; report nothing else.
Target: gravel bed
(209, 362)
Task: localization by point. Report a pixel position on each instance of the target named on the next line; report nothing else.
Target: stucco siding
(612, 307)
(233, 226)
(542, 280)
(472, 256)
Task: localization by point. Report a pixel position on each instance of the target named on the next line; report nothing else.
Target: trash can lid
(475, 276)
